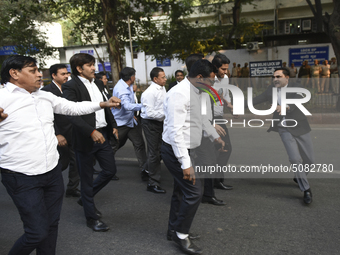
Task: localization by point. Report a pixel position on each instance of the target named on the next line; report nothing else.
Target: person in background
(63, 131)
(304, 74)
(128, 127)
(315, 72)
(292, 71)
(334, 74)
(179, 76)
(152, 122)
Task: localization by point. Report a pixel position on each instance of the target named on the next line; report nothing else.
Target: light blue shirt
(124, 115)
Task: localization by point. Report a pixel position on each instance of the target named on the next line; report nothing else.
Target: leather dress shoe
(115, 178)
(97, 225)
(144, 175)
(72, 193)
(155, 189)
(221, 185)
(212, 200)
(97, 212)
(192, 236)
(307, 197)
(186, 245)
(295, 180)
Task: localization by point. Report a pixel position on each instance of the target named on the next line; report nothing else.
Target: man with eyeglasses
(296, 139)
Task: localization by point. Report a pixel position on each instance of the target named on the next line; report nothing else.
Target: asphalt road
(263, 215)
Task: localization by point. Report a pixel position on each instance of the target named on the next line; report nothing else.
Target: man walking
(91, 134)
(152, 122)
(63, 131)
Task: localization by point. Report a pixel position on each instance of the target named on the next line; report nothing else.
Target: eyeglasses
(277, 77)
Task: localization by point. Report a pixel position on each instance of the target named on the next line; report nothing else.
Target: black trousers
(89, 187)
(38, 199)
(68, 159)
(135, 135)
(186, 197)
(206, 156)
(223, 157)
(153, 134)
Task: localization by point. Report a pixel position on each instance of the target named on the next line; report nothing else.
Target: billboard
(263, 68)
(298, 55)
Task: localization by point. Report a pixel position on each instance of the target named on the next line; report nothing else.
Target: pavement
(263, 215)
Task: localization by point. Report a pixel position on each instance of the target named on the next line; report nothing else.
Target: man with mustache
(91, 134)
(29, 164)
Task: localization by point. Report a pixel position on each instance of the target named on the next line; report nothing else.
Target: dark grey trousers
(300, 151)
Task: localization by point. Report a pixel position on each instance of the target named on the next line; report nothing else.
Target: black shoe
(115, 178)
(72, 193)
(212, 200)
(97, 225)
(295, 180)
(307, 197)
(186, 245)
(155, 189)
(97, 212)
(145, 175)
(221, 185)
(170, 232)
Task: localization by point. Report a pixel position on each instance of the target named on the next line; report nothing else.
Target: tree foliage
(20, 27)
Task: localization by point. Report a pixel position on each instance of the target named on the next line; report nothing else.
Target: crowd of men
(75, 119)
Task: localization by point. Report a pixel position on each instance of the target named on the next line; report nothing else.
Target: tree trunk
(236, 18)
(110, 29)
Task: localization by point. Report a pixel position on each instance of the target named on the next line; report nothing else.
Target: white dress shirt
(28, 143)
(184, 123)
(152, 102)
(221, 85)
(96, 96)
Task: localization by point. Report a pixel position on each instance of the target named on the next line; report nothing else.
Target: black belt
(101, 130)
(3, 170)
(169, 145)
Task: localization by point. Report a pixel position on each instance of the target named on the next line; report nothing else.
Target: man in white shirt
(152, 122)
(221, 62)
(183, 126)
(28, 151)
(91, 135)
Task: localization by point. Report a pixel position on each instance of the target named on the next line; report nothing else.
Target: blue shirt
(124, 115)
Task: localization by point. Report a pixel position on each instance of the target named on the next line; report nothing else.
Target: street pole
(131, 49)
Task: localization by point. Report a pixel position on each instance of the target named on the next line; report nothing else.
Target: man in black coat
(179, 76)
(293, 128)
(91, 134)
(63, 131)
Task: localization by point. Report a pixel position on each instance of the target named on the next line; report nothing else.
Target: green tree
(20, 27)
(330, 23)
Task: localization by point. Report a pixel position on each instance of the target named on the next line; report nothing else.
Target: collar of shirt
(157, 86)
(11, 87)
(57, 86)
(196, 90)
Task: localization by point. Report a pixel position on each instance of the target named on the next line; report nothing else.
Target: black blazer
(62, 125)
(295, 113)
(172, 84)
(84, 125)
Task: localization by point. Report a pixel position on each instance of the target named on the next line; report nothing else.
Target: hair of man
(54, 69)
(127, 73)
(219, 60)
(179, 71)
(190, 60)
(284, 70)
(100, 75)
(17, 62)
(202, 67)
(80, 59)
(155, 72)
